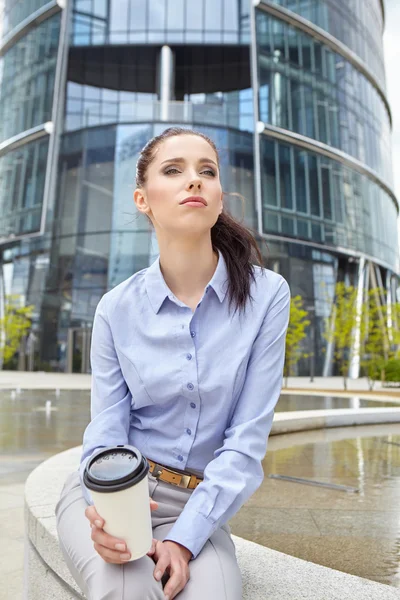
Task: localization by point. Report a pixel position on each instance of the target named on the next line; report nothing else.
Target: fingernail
(125, 556)
(166, 597)
(120, 547)
(98, 524)
(158, 575)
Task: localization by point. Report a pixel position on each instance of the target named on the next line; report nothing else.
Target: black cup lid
(115, 468)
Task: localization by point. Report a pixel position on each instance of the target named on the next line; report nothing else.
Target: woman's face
(182, 166)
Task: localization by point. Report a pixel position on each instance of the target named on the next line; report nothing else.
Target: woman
(184, 378)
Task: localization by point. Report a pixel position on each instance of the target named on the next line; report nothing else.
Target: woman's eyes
(168, 171)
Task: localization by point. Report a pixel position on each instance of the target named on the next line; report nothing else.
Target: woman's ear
(140, 201)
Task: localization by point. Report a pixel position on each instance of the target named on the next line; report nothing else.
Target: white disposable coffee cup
(117, 479)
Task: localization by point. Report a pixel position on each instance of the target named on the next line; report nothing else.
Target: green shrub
(392, 370)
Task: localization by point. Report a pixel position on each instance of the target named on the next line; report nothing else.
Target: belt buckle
(158, 469)
(186, 479)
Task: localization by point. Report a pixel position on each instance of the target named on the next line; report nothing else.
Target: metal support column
(388, 285)
(258, 125)
(354, 369)
(166, 80)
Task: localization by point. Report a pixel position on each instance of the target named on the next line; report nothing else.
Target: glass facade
(309, 89)
(98, 22)
(27, 72)
(22, 177)
(13, 12)
(90, 106)
(318, 215)
(315, 198)
(356, 23)
(100, 238)
(312, 275)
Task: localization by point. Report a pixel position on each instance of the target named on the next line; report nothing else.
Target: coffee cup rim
(124, 482)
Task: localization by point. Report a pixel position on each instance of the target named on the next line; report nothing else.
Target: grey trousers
(214, 574)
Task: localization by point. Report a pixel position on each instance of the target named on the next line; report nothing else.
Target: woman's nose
(195, 184)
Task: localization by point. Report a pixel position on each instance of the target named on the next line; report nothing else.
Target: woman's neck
(187, 271)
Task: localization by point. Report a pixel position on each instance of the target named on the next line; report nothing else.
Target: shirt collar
(157, 289)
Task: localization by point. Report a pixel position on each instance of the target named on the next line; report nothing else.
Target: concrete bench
(267, 574)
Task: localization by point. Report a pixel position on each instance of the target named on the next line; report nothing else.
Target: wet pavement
(358, 533)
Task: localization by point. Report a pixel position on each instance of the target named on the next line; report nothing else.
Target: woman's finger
(162, 564)
(153, 548)
(153, 504)
(94, 517)
(108, 541)
(176, 582)
(112, 556)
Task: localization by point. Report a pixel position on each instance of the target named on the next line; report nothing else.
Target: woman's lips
(194, 199)
(200, 204)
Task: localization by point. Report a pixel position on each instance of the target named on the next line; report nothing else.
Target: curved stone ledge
(266, 573)
(303, 420)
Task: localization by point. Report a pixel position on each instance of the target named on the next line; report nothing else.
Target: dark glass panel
(303, 228)
(268, 173)
(314, 185)
(287, 225)
(326, 191)
(285, 177)
(300, 175)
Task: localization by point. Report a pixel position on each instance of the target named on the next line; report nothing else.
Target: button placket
(191, 385)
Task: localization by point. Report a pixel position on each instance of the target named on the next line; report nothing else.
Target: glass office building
(292, 92)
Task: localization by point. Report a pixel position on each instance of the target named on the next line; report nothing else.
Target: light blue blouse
(194, 391)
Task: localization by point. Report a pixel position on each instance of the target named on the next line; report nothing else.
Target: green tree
(15, 323)
(394, 330)
(295, 334)
(340, 326)
(375, 346)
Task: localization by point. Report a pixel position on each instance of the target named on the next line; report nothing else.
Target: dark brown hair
(236, 242)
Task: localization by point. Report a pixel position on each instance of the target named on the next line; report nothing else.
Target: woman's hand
(111, 549)
(172, 557)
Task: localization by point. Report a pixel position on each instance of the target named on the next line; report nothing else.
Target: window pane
(270, 221)
(314, 185)
(337, 191)
(268, 173)
(297, 106)
(285, 177)
(288, 225)
(303, 228)
(316, 233)
(300, 174)
(326, 191)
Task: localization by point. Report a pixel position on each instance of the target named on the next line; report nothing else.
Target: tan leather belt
(170, 476)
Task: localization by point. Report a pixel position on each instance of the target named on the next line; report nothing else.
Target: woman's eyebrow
(181, 159)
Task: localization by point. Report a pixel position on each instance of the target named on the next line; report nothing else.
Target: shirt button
(192, 333)
(188, 431)
(189, 356)
(180, 458)
(190, 386)
(192, 404)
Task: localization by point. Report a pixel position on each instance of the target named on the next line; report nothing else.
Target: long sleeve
(236, 472)
(110, 397)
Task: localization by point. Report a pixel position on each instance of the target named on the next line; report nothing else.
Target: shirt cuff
(192, 530)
